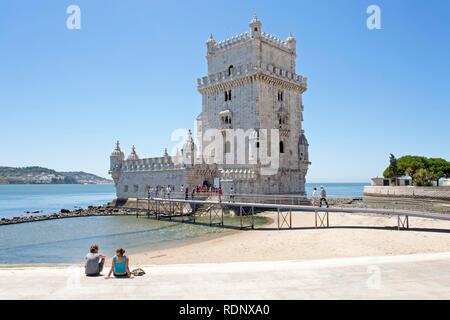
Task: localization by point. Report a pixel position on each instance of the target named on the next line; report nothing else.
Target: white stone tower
(252, 85)
(116, 160)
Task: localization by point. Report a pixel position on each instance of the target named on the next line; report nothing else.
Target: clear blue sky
(130, 74)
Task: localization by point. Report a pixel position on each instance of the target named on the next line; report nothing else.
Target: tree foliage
(421, 169)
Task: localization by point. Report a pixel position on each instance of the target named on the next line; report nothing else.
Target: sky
(130, 73)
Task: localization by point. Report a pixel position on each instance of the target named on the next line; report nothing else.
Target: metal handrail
(393, 212)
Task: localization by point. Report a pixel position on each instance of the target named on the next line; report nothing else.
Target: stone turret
(188, 151)
(211, 44)
(133, 155)
(255, 27)
(116, 160)
(303, 153)
(292, 43)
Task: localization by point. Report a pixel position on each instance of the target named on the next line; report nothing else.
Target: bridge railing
(162, 208)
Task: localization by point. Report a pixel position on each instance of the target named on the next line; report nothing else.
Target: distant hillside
(39, 175)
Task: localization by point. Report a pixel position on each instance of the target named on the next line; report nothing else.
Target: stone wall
(435, 199)
(139, 182)
(408, 192)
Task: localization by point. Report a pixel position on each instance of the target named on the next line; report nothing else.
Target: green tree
(421, 169)
(413, 162)
(422, 178)
(392, 171)
(438, 168)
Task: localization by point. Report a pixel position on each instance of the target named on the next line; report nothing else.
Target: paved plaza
(419, 276)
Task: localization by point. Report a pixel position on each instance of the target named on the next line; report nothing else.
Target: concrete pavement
(419, 276)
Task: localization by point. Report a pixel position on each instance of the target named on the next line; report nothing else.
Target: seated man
(94, 262)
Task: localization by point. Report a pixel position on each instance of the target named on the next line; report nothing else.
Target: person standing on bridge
(232, 193)
(323, 196)
(220, 192)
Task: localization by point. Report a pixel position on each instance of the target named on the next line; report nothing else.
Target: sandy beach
(349, 235)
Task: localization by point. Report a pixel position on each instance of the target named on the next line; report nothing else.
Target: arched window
(281, 147)
(280, 95)
(228, 95)
(230, 70)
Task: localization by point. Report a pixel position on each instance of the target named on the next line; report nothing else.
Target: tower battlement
(242, 71)
(246, 36)
(152, 164)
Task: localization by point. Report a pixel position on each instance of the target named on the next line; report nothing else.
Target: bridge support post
(157, 209)
(321, 220)
(240, 217)
(253, 218)
(402, 222)
(284, 219)
(278, 217)
(290, 218)
(137, 208)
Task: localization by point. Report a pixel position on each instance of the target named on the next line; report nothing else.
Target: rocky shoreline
(108, 210)
(91, 211)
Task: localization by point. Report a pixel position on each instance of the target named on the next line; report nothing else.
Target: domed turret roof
(117, 151)
(189, 144)
(254, 19)
(133, 155)
(290, 37)
(303, 140)
(211, 39)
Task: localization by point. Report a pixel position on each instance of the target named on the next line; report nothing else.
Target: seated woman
(120, 265)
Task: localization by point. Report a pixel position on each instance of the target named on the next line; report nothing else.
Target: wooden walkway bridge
(213, 212)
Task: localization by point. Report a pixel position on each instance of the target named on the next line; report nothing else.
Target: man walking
(323, 196)
(315, 197)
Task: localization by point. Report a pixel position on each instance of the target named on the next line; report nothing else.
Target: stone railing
(275, 41)
(240, 174)
(228, 43)
(220, 77)
(149, 164)
(251, 69)
(244, 37)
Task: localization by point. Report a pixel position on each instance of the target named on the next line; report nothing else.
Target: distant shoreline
(41, 175)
